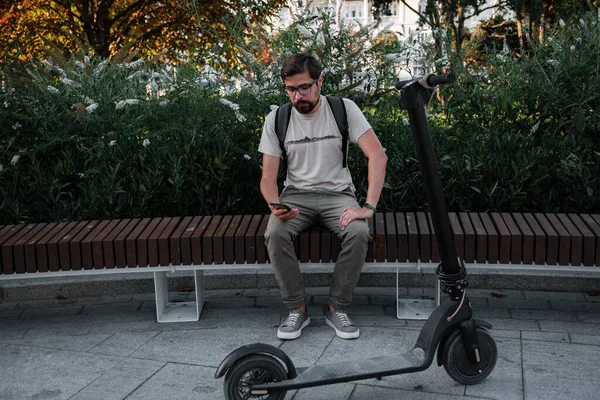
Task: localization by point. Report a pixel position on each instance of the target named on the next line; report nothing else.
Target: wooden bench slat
(304, 246)
(3, 231)
(492, 238)
(19, 248)
(480, 238)
(120, 242)
(218, 239)
(53, 250)
(459, 238)
(131, 245)
(261, 250)
(589, 240)
(315, 244)
(413, 237)
(527, 238)
(164, 252)
(97, 245)
(551, 238)
(143, 245)
(424, 237)
(175, 241)
(370, 257)
(402, 237)
(207, 240)
(516, 238)
(109, 247)
(8, 248)
(435, 251)
(564, 240)
(336, 246)
(326, 245)
(595, 228)
(251, 239)
(152, 242)
(185, 240)
(240, 243)
(539, 239)
(505, 238)
(469, 235)
(41, 250)
(197, 238)
(379, 237)
(64, 246)
(391, 238)
(74, 247)
(576, 239)
(228, 239)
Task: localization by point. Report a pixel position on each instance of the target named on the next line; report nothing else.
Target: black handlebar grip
(434, 80)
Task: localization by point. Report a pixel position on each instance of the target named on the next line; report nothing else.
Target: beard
(305, 106)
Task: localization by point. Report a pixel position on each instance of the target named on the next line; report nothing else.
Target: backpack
(282, 120)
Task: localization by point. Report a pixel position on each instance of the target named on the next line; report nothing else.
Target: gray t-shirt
(313, 144)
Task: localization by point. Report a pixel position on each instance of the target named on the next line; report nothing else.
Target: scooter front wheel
(457, 363)
(253, 370)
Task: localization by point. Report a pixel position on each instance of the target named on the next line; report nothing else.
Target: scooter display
(464, 346)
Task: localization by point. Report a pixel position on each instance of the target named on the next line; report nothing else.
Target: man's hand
(283, 214)
(351, 213)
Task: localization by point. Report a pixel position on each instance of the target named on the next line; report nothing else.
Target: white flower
(405, 122)
(304, 31)
(535, 127)
(15, 158)
(48, 64)
(68, 81)
(80, 64)
(230, 104)
(135, 75)
(247, 157)
(100, 67)
(16, 126)
(572, 49)
(88, 100)
(274, 107)
(321, 39)
(125, 102)
(163, 102)
(146, 143)
(86, 59)
(581, 21)
(53, 90)
(91, 107)
(81, 175)
(240, 117)
(561, 22)
(112, 143)
(134, 64)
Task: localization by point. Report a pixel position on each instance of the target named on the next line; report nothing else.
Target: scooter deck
(414, 360)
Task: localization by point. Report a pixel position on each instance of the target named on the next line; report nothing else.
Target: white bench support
(418, 308)
(167, 311)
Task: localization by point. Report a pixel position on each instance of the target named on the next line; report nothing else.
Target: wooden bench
(544, 243)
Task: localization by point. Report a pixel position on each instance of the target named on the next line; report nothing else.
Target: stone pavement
(113, 348)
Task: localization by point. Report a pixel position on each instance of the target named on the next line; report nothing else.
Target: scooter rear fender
(256, 348)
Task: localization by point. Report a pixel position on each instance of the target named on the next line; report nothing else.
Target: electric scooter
(464, 345)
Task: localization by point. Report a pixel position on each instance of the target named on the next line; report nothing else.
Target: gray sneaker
(343, 325)
(293, 325)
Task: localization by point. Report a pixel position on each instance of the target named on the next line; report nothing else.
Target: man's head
(302, 80)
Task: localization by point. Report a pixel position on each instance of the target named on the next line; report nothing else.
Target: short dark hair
(298, 63)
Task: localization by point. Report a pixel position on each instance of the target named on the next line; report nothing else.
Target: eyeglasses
(302, 89)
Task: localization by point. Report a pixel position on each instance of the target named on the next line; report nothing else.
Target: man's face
(303, 91)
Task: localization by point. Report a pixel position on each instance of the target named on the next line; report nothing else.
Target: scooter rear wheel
(253, 370)
(457, 364)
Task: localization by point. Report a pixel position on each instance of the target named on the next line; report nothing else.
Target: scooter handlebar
(430, 80)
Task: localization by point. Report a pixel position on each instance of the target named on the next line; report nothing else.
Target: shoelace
(292, 318)
(344, 318)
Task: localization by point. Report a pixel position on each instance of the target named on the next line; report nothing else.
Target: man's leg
(349, 262)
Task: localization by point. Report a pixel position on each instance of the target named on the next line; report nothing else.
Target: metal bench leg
(178, 311)
(416, 308)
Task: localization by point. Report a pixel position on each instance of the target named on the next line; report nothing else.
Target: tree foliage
(106, 27)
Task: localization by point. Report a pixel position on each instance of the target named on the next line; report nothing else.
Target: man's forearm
(269, 190)
(377, 166)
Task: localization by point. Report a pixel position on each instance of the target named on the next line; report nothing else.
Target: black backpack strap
(341, 119)
(282, 120)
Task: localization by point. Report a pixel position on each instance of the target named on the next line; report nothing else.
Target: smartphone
(279, 205)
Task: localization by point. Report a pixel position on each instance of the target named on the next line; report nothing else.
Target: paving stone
(230, 302)
(561, 337)
(523, 304)
(307, 349)
(387, 321)
(547, 377)
(263, 292)
(593, 297)
(252, 317)
(513, 324)
(124, 298)
(505, 381)
(369, 392)
(11, 305)
(488, 312)
(271, 302)
(550, 315)
(112, 309)
(123, 343)
(592, 317)
(507, 334)
(341, 391)
(585, 339)
(73, 343)
(324, 300)
(554, 296)
(571, 327)
(13, 313)
(222, 293)
(207, 347)
(118, 382)
(383, 301)
(51, 311)
(36, 373)
(46, 303)
(493, 293)
(568, 305)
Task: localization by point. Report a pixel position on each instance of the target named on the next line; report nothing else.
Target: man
(318, 190)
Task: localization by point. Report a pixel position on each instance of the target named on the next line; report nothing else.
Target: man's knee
(357, 231)
(277, 233)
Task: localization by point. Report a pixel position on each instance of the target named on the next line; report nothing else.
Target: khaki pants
(317, 208)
